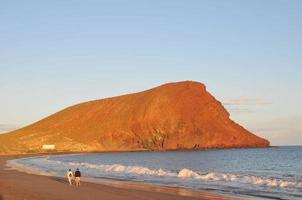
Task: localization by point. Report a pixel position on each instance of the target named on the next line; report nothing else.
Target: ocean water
(269, 173)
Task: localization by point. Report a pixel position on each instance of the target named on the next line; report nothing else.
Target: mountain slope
(180, 115)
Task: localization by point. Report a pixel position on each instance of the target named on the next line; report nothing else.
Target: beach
(15, 185)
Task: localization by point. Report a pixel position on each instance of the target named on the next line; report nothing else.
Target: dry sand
(16, 185)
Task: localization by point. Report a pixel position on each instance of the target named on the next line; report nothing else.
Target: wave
(17, 164)
(124, 169)
(183, 174)
(247, 179)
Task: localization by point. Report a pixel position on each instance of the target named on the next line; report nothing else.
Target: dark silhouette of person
(77, 175)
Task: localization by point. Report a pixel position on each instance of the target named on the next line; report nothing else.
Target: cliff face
(180, 115)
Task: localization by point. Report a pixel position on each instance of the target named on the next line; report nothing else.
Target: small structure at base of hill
(49, 147)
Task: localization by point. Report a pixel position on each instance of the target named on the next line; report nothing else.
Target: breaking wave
(190, 174)
(262, 181)
(181, 175)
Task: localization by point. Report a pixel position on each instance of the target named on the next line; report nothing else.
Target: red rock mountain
(180, 115)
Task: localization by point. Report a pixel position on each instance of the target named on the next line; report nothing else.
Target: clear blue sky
(54, 54)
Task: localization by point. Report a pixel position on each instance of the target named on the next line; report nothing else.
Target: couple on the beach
(77, 175)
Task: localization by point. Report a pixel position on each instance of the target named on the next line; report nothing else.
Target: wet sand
(15, 185)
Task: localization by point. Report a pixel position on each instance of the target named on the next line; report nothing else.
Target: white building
(49, 147)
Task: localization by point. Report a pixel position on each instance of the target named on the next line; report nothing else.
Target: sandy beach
(15, 185)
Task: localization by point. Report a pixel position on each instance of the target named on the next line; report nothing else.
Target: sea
(260, 173)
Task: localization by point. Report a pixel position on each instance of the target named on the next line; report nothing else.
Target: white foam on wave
(125, 169)
(255, 180)
(187, 173)
(184, 174)
(271, 182)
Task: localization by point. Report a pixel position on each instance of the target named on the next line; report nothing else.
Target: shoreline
(21, 185)
(51, 152)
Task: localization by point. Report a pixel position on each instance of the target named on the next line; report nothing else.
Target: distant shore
(18, 185)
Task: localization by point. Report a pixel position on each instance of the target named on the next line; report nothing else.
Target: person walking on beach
(77, 176)
(69, 176)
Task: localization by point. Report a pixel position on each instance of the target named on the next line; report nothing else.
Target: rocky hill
(180, 115)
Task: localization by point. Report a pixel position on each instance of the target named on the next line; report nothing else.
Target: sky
(54, 54)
